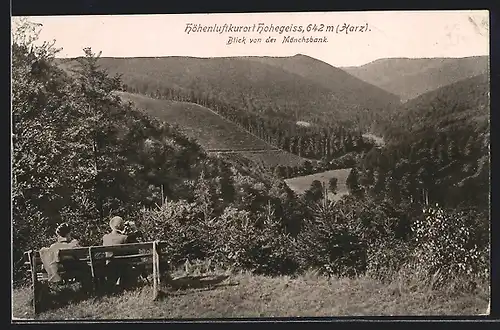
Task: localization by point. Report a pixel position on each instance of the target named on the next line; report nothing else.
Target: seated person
(64, 239)
(52, 262)
(116, 236)
(117, 269)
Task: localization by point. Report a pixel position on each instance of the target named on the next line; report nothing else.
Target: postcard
(250, 165)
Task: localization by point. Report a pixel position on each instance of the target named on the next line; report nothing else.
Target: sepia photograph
(250, 165)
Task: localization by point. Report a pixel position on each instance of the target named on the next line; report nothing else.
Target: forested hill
(347, 87)
(409, 78)
(253, 86)
(437, 148)
(455, 106)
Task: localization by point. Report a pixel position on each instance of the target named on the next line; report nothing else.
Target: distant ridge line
(412, 59)
(69, 58)
(242, 150)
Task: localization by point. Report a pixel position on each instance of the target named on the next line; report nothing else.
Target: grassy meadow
(301, 183)
(209, 129)
(242, 295)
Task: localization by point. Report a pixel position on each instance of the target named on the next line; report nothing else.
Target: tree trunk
(99, 201)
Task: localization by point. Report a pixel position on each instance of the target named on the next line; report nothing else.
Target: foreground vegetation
(247, 295)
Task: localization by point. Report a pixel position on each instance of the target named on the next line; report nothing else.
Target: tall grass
(244, 294)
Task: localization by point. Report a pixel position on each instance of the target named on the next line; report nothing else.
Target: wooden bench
(93, 258)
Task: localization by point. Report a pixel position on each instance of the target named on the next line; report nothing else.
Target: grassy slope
(246, 295)
(212, 131)
(274, 158)
(301, 183)
(208, 128)
(409, 78)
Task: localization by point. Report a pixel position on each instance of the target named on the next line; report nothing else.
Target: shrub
(252, 241)
(325, 242)
(181, 225)
(236, 239)
(386, 257)
(29, 232)
(451, 244)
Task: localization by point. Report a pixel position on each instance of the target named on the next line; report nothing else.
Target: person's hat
(63, 230)
(116, 223)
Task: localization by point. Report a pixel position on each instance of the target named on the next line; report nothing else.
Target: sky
(412, 34)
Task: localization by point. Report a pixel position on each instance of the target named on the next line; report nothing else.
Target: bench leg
(156, 272)
(34, 283)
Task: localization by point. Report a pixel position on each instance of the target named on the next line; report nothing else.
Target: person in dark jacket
(64, 238)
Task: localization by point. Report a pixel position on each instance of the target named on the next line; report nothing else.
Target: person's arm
(74, 243)
(131, 238)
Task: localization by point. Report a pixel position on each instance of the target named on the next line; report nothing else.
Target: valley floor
(244, 295)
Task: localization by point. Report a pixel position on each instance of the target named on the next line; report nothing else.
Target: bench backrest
(131, 251)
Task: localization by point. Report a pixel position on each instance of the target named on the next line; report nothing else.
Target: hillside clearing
(302, 183)
(246, 295)
(197, 122)
(214, 133)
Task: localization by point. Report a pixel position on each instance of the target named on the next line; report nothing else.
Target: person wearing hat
(117, 235)
(118, 272)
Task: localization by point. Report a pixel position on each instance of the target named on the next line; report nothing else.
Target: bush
(451, 244)
(29, 232)
(236, 239)
(325, 242)
(255, 242)
(386, 257)
(182, 226)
